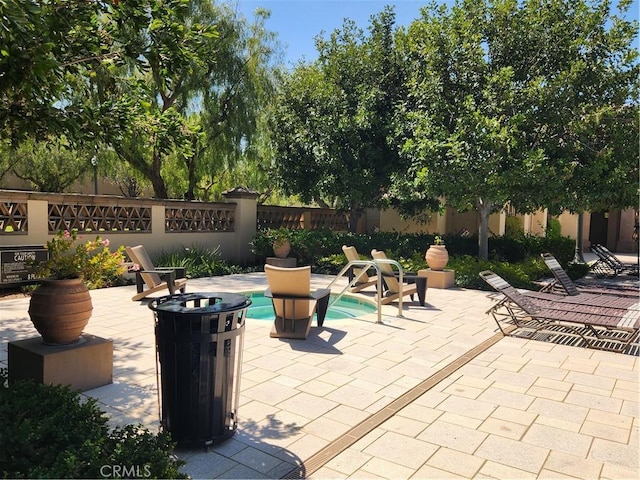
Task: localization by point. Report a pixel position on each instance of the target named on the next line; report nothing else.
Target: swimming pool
(345, 307)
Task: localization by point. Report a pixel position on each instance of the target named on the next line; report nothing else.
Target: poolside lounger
(608, 264)
(293, 302)
(563, 285)
(365, 280)
(156, 279)
(395, 289)
(605, 328)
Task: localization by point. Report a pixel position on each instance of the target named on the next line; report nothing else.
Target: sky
(297, 22)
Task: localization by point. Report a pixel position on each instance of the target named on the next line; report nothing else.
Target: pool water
(345, 307)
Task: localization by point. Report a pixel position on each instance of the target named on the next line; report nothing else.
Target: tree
(507, 101)
(41, 44)
(51, 165)
(187, 87)
(333, 119)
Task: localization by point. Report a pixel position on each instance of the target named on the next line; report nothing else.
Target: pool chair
(156, 279)
(364, 280)
(608, 265)
(293, 302)
(410, 285)
(602, 328)
(563, 285)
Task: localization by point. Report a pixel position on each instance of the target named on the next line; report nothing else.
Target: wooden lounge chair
(603, 328)
(293, 302)
(364, 280)
(156, 279)
(395, 289)
(608, 264)
(563, 285)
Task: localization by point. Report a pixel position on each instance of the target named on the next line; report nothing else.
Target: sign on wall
(15, 263)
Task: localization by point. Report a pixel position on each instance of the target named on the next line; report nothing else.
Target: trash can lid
(202, 302)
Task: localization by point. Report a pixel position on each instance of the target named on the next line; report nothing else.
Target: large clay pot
(60, 309)
(437, 257)
(281, 249)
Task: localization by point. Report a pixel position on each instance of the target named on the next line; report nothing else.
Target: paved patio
(434, 394)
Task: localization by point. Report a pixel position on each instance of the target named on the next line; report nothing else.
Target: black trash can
(199, 338)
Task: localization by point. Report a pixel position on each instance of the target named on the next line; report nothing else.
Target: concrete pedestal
(439, 278)
(288, 262)
(83, 365)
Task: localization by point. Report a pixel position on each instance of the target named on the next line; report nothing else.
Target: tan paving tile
(559, 423)
(270, 393)
(420, 413)
(511, 453)
(347, 462)
(404, 426)
(558, 439)
(500, 471)
(559, 410)
(549, 393)
(513, 415)
(461, 420)
(591, 380)
(307, 405)
(325, 428)
(559, 385)
(613, 453)
(606, 432)
(452, 436)
(503, 428)
(347, 415)
(470, 408)
(413, 453)
(598, 402)
(625, 394)
(498, 396)
(616, 472)
(613, 419)
(256, 460)
(386, 469)
(455, 462)
(353, 396)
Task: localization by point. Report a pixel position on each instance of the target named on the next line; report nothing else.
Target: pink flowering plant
(91, 260)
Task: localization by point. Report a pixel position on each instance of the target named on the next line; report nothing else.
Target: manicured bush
(198, 261)
(52, 432)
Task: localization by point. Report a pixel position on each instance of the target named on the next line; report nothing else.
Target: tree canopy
(174, 87)
(333, 118)
(526, 103)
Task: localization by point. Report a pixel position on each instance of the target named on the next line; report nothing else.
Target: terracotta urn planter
(60, 309)
(282, 248)
(437, 257)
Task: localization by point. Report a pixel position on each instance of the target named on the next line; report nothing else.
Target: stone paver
(520, 409)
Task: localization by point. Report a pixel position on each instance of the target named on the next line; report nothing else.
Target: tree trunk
(354, 215)
(484, 210)
(159, 187)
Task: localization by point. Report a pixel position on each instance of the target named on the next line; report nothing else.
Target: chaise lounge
(396, 289)
(563, 285)
(364, 280)
(609, 265)
(603, 328)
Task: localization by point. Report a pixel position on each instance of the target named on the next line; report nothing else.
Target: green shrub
(520, 275)
(517, 259)
(198, 261)
(52, 432)
(554, 228)
(513, 227)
